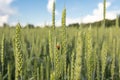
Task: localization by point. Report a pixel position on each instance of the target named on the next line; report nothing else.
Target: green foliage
(0, 76)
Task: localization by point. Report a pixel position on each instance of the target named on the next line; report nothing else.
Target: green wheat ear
(72, 65)
(78, 61)
(38, 74)
(53, 16)
(9, 71)
(89, 54)
(117, 21)
(113, 54)
(2, 53)
(64, 41)
(104, 13)
(18, 54)
(104, 58)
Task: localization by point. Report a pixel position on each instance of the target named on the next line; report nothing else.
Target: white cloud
(97, 14)
(50, 6)
(5, 11)
(6, 1)
(3, 19)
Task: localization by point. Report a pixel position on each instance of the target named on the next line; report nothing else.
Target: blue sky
(38, 12)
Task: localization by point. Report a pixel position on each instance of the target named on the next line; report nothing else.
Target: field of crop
(60, 53)
(84, 53)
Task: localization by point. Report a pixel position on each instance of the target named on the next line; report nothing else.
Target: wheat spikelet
(2, 54)
(89, 55)
(18, 54)
(9, 71)
(53, 16)
(113, 59)
(104, 12)
(72, 65)
(52, 76)
(48, 68)
(104, 58)
(64, 41)
(78, 61)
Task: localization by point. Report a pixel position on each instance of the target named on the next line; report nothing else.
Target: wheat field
(60, 53)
